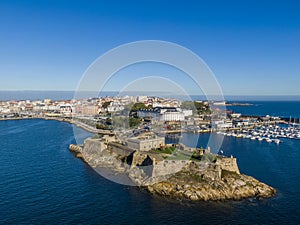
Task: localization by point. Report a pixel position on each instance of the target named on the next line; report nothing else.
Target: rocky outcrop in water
(182, 179)
(231, 186)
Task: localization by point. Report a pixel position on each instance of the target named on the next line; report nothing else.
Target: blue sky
(253, 47)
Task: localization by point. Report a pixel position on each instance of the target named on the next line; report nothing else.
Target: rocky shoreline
(196, 181)
(230, 187)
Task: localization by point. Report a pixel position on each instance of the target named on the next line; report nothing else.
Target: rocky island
(175, 171)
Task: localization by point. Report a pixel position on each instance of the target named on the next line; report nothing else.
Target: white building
(235, 115)
(164, 113)
(115, 107)
(66, 109)
(221, 124)
(187, 112)
(241, 123)
(141, 98)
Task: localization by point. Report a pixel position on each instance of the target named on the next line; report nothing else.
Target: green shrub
(102, 126)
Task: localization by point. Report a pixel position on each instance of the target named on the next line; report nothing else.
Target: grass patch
(166, 150)
(196, 156)
(180, 155)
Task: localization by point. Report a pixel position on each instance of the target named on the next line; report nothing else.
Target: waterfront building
(86, 109)
(66, 109)
(241, 122)
(165, 113)
(221, 124)
(235, 115)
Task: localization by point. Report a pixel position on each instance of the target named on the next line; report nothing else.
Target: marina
(268, 133)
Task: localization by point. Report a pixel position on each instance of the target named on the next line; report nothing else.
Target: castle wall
(167, 167)
(120, 149)
(93, 146)
(204, 170)
(229, 164)
(138, 158)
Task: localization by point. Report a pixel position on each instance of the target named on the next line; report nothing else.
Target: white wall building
(66, 109)
(165, 113)
(221, 124)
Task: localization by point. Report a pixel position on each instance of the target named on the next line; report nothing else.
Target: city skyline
(252, 47)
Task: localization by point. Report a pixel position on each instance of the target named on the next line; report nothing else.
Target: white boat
(268, 140)
(277, 141)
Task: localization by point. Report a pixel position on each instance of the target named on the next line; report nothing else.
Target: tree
(102, 126)
(197, 107)
(134, 122)
(106, 104)
(188, 105)
(125, 122)
(133, 108)
(108, 121)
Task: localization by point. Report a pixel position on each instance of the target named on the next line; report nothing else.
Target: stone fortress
(163, 173)
(138, 150)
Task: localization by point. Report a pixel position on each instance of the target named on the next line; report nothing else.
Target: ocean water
(42, 182)
(63, 95)
(284, 109)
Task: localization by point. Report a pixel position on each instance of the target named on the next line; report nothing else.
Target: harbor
(268, 133)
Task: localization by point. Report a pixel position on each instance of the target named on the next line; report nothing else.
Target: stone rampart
(93, 146)
(229, 164)
(120, 149)
(168, 167)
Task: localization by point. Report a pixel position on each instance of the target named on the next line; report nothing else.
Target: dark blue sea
(42, 182)
(284, 109)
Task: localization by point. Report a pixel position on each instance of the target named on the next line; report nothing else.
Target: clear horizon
(67, 95)
(252, 47)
